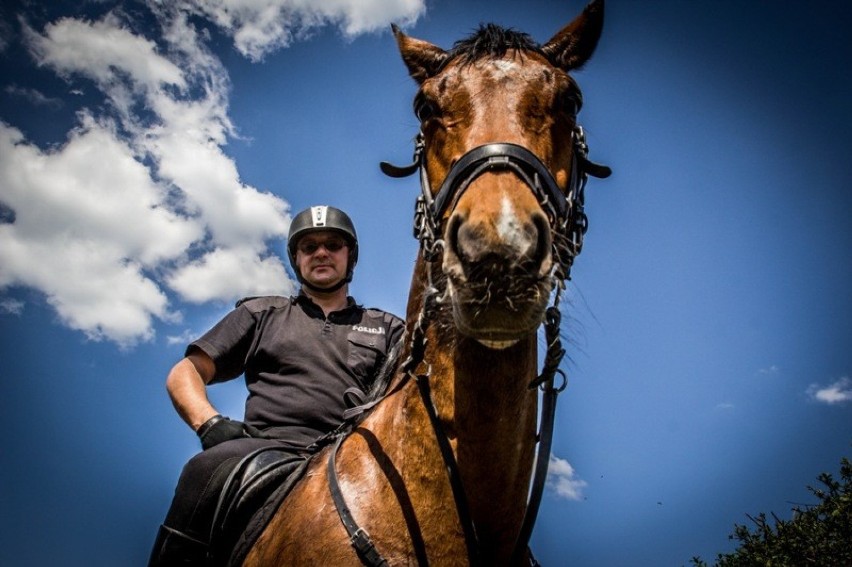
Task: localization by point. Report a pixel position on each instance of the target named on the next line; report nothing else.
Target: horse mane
(385, 375)
(491, 40)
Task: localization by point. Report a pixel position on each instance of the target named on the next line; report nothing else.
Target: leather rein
(569, 223)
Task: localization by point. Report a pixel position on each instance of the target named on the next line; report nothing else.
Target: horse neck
(485, 408)
(474, 387)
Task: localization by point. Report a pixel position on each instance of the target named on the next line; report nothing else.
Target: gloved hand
(219, 429)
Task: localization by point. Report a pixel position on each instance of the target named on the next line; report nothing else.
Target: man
(298, 354)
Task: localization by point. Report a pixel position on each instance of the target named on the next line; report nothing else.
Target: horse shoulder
(392, 475)
(308, 509)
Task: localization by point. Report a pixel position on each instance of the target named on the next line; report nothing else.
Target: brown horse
(438, 472)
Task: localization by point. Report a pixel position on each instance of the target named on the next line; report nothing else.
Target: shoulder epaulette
(264, 301)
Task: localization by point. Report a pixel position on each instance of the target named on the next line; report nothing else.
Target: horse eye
(571, 103)
(424, 108)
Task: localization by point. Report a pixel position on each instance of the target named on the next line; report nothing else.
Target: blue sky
(150, 161)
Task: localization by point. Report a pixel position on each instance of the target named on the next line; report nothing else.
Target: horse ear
(574, 44)
(421, 57)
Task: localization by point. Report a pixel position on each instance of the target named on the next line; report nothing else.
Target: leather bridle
(564, 209)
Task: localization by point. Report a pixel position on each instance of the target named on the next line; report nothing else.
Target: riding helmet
(315, 219)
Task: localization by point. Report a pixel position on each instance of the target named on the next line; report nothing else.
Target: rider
(298, 354)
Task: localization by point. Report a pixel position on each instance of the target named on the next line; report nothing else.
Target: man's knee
(202, 466)
(200, 483)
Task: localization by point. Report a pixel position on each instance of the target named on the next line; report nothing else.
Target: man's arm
(187, 387)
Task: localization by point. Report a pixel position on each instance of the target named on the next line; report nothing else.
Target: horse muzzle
(498, 273)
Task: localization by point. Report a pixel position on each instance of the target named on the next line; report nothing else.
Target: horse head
(502, 164)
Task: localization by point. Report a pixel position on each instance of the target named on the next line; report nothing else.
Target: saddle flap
(260, 481)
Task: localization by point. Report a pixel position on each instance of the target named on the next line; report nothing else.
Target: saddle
(262, 480)
(252, 493)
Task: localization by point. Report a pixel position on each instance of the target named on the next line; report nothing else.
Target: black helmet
(315, 219)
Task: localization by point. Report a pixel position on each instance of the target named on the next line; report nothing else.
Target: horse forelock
(491, 41)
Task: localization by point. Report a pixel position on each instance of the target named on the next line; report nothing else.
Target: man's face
(322, 258)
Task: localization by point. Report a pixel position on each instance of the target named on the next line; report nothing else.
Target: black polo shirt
(298, 362)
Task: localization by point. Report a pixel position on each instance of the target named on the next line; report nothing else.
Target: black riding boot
(173, 548)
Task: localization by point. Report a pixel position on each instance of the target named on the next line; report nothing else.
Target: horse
(438, 470)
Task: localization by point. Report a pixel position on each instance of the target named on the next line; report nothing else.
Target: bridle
(569, 224)
(564, 210)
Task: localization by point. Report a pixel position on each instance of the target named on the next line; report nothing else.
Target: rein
(567, 219)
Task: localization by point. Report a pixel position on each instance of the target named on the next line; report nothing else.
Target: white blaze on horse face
(500, 74)
(506, 67)
(509, 228)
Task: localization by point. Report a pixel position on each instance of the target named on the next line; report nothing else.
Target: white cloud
(837, 393)
(183, 339)
(142, 200)
(102, 224)
(84, 219)
(217, 274)
(11, 306)
(99, 50)
(92, 189)
(235, 213)
(92, 287)
(259, 27)
(34, 96)
(6, 32)
(562, 478)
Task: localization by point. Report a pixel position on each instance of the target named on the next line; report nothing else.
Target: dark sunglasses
(311, 246)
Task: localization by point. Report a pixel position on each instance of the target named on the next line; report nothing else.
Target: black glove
(219, 429)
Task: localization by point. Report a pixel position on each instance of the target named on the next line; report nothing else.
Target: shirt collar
(303, 299)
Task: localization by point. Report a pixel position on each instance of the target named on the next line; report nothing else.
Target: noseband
(564, 210)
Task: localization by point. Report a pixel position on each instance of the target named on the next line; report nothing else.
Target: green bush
(819, 535)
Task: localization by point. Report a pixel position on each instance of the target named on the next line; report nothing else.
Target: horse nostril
(483, 246)
(543, 239)
(459, 239)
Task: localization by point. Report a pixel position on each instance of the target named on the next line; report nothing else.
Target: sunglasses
(311, 246)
